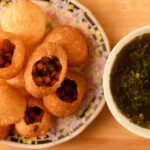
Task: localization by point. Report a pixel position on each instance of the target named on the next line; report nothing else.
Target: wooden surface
(117, 17)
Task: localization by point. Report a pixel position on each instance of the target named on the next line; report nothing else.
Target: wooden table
(117, 17)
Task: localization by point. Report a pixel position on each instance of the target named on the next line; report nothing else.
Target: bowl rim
(95, 114)
(136, 129)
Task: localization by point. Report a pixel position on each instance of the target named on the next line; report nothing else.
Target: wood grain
(117, 17)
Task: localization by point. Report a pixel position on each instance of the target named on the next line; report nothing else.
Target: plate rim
(95, 114)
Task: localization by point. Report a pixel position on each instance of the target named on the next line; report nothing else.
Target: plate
(72, 13)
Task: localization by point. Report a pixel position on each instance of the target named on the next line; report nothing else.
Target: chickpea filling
(33, 114)
(67, 91)
(46, 71)
(6, 53)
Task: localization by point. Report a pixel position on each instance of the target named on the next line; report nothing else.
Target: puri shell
(60, 108)
(25, 19)
(37, 128)
(17, 58)
(73, 42)
(49, 50)
(12, 105)
(4, 131)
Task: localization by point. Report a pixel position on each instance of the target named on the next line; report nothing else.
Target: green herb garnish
(130, 80)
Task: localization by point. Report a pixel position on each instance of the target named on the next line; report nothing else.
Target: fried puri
(24, 19)
(36, 121)
(12, 105)
(46, 69)
(19, 83)
(67, 98)
(4, 131)
(73, 42)
(12, 55)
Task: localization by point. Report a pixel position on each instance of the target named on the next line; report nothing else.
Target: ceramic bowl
(106, 84)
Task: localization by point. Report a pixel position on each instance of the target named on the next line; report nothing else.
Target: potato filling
(68, 91)
(6, 53)
(46, 71)
(33, 114)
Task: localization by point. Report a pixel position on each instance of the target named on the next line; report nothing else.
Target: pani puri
(36, 121)
(4, 131)
(46, 69)
(19, 83)
(12, 55)
(73, 42)
(25, 19)
(68, 97)
(12, 105)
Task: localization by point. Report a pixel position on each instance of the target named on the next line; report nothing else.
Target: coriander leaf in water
(130, 80)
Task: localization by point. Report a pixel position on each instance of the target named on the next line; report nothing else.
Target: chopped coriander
(130, 80)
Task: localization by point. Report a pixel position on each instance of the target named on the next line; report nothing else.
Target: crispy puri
(66, 100)
(4, 131)
(12, 55)
(19, 83)
(2, 81)
(25, 19)
(46, 69)
(73, 42)
(12, 105)
(36, 121)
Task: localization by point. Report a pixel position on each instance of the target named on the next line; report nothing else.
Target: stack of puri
(37, 82)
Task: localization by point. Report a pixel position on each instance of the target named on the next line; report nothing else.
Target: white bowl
(106, 84)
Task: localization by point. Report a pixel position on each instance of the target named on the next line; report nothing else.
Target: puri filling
(6, 53)
(33, 114)
(46, 71)
(67, 91)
